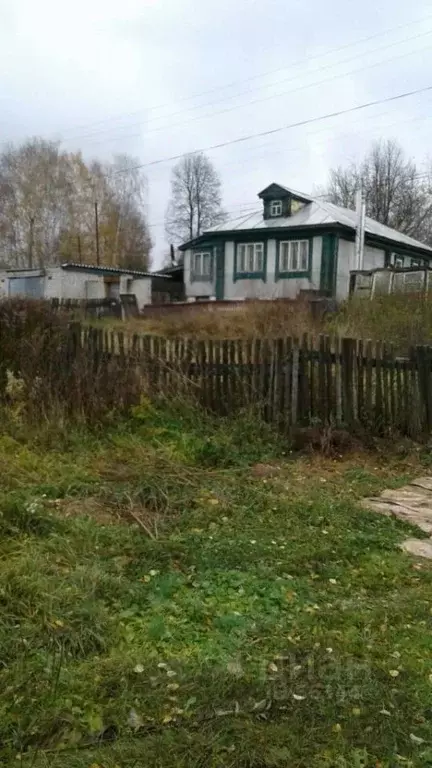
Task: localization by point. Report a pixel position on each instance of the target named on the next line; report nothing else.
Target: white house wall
(372, 259)
(195, 288)
(251, 288)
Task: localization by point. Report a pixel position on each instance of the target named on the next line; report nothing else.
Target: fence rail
(296, 382)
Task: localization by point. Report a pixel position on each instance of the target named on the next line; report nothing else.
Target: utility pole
(30, 247)
(97, 233)
(95, 202)
(360, 229)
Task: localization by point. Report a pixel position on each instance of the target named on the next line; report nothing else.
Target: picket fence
(309, 381)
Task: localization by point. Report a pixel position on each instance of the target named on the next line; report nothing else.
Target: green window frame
(250, 260)
(294, 257)
(202, 265)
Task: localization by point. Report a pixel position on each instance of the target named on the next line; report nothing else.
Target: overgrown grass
(164, 603)
(404, 320)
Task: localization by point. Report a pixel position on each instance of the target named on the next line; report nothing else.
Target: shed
(78, 281)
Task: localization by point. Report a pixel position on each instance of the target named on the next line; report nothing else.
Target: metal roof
(293, 192)
(314, 214)
(103, 270)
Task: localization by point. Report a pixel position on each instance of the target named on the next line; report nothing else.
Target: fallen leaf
(139, 669)
(298, 698)
(167, 719)
(394, 673)
(135, 721)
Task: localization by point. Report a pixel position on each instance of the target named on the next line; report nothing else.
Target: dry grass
(401, 319)
(260, 319)
(47, 373)
(404, 320)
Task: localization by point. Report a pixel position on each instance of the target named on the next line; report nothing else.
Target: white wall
(372, 259)
(197, 288)
(251, 289)
(65, 284)
(141, 287)
(272, 288)
(345, 263)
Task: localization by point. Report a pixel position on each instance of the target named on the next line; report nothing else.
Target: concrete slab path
(413, 504)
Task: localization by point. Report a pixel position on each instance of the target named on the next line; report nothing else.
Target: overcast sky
(156, 78)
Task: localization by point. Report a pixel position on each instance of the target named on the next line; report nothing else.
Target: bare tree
(196, 199)
(395, 193)
(47, 210)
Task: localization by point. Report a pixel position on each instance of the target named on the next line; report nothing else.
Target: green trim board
(270, 233)
(279, 274)
(197, 278)
(219, 256)
(329, 259)
(262, 275)
(280, 233)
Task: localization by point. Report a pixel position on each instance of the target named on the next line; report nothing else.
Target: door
(329, 264)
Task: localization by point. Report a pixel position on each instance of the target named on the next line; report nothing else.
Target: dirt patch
(91, 506)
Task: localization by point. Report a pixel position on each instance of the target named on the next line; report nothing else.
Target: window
(250, 257)
(276, 208)
(417, 263)
(202, 266)
(294, 256)
(398, 260)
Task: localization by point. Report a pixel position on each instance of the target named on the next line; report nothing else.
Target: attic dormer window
(276, 208)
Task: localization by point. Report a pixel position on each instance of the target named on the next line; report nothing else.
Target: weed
(266, 621)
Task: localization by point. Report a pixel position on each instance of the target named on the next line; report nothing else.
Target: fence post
(348, 350)
(423, 359)
(295, 382)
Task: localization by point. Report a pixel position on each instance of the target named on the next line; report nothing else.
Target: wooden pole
(97, 233)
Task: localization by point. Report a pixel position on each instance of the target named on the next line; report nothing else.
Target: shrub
(49, 370)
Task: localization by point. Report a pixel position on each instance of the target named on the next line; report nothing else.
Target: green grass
(245, 620)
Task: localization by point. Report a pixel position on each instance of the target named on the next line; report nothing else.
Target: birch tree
(196, 199)
(396, 193)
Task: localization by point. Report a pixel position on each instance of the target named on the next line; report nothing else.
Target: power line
(279, 129)
(234, 83)
(327, 140)
(264, 98)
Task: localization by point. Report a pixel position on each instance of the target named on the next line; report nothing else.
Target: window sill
(201, 278)
(293, 275)
(250, 276)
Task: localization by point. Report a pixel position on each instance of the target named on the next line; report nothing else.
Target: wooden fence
(295, 382)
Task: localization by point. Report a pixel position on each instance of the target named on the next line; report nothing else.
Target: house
(295, 244)
(78, 281)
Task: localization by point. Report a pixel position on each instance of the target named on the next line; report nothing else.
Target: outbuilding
(78, 281)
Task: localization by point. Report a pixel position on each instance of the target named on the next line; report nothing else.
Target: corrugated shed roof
(313, 214)
(104, 270)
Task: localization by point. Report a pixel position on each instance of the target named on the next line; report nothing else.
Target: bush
(52, 369)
